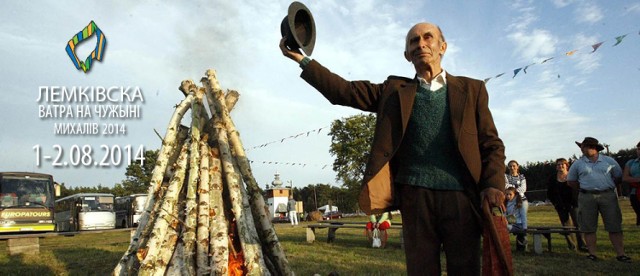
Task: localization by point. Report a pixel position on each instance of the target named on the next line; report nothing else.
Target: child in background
(516, 218)
(382, 223)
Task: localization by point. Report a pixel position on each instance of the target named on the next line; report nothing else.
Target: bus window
(8, 200)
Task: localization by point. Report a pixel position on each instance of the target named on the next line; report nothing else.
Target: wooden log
(219, 235)
(267, 233)
(202, 245)
(251, 249)
(127, 261)
(164, 236)
(176, 264)
(181, 137)
(231, 98)
(189, 235)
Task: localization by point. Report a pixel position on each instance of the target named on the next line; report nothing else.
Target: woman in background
(631, 175)
(513, 178)
(565, 200)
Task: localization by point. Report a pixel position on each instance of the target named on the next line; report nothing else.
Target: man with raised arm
(435, 155)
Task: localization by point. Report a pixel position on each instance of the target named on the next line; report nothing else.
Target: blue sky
(155, 45)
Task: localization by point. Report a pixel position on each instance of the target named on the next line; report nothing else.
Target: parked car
(332, 215)
(280, 219)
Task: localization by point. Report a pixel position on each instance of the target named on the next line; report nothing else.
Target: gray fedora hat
(299, 28)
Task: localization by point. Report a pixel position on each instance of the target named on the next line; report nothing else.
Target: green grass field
(97, 254)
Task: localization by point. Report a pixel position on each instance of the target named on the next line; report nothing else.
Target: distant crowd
(580, 192)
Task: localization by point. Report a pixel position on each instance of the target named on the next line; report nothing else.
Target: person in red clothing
(382, 223)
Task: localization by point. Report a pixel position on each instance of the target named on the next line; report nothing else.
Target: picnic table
(332, 226)
(537, 232)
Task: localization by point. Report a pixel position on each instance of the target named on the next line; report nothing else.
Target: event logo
(97, 53)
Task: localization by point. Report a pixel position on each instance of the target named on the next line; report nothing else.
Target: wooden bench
(332, 227)
(537, 232)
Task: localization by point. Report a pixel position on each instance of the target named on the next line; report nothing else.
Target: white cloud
(539, 115)
(589, 13)
(562, 3)
(533, 45)
(633, 8)
(526, 18)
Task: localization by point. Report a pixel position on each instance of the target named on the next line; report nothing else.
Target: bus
(26, 202)
(129, 210)
(85, 211)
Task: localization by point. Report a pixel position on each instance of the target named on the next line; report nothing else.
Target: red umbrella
(496, 246)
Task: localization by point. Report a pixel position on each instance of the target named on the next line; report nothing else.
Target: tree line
(351, 139)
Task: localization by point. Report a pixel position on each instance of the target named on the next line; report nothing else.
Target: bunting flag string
(594, 47)
(305, 134)
(322, 166)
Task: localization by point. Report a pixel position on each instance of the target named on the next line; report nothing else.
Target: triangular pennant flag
(487, 80)
(571, 52)
(546, 60)
(515, 72)
(499, 75)
(525, 68)
(596, 46)
(619, 40)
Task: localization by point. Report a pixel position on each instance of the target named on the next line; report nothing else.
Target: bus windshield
(25, 192)
(141, 201)
(97, 204)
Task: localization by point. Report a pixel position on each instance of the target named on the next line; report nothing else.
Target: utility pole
(315, 197)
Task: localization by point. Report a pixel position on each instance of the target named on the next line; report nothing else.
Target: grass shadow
(23, 264)
(87, 261)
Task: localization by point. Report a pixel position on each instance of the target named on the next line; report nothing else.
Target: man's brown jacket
(474, 132)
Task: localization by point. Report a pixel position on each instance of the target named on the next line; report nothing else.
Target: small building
(277, 198)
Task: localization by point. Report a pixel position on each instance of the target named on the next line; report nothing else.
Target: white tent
(326, 208)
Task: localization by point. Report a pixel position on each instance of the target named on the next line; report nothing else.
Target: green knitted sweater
(427, 156)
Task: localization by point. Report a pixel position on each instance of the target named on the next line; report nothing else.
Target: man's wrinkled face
(424, 45)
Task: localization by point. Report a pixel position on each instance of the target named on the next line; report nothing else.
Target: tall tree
(351, 140)
(138, 175)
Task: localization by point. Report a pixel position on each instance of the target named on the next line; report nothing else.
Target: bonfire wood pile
(199, 218)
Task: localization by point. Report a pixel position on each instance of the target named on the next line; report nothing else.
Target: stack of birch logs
(199, 218)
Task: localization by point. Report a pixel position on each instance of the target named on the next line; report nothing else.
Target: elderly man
(436, 152)
(596, 175)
